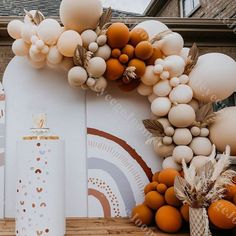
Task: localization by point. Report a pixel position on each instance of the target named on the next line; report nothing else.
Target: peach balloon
(28, 31)
(213, 77)
(223, 130)
(20, 48)
(14, 28)
(80, 15)
(49, 30)
(68, 42)
(54, 56)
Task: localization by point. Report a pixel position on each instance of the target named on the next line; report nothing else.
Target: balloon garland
(180, 85)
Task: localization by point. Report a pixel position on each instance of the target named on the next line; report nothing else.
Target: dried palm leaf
(192, 59)
(82, 56)
(130, 73)
(154, 127)
(160, 36)
(37, 18)
(105, 18)
(205, 116)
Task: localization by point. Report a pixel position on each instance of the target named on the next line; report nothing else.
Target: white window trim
(191, 12)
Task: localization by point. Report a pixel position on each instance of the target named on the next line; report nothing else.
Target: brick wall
(172, 9)
(208, 9)
(5, 56)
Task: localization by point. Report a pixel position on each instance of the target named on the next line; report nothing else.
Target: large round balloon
(80, 15)
(214, 77)
(223, 130)
(153, 27)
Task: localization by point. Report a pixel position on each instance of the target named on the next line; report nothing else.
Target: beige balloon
(164, 150)
(68, 42)
(149, 78)
(14, 28)
(213, 77)
(201, 146)
(182, 153)
(80, 15)
(20, 48)
(223, 130)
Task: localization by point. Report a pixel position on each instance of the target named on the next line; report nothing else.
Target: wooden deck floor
(95, 227)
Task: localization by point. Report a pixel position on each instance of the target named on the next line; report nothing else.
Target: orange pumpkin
(222, 214)
(114, 69)
(129, 51)
(138, 35)
(168, 219)
(139, 65)
(155, 55)
(117, 35)
(142, 214)
(171, 198)
(167, 176)
(184, 210)
(150, 187)
(144, 50)
(154, 200)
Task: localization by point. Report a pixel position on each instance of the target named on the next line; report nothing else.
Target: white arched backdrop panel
(111, 153)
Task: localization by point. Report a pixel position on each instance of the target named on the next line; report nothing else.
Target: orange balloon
(167, 176)
(154, 200)
(114, 69)
(138, 35)
(141, 214)
(150, 187)
(171, 198)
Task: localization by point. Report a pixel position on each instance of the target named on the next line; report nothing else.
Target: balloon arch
(180, 85)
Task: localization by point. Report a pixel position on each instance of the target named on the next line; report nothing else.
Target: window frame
(181, 3)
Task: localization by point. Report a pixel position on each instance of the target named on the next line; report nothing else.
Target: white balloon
(182, 152)
(153, 27)
(88, 36)
(103, 52)
(96, 67)
(181, 94)
(161, 106)
(213, 77)
(162, 88)
(14, 28)
(49, 30)
(175, 65)
(77, 76)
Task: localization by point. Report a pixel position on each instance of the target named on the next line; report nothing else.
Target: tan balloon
(213, 78)
(88, 36)
(96, 67)
(169, 162)
(80, 15)
(201, 146)
(223, 130)
(182, 136)
(182, 116)
(149, 78)
(103, 52)
(181, 94)
(144, 90)
(161, 106)
(68, 42)
(182, 152)
(77, 76)
(54, 56)
(164, 150)
(174, 65)
(28, 31)
(162, 88)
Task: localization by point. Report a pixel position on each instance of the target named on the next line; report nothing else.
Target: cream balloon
(103, 52)
(161, 106)
(144, 90)
(20, 48)
(36, 57)
(49, 30)
(182, 152)
(77, 76)
(185, 53)
(80, 15)
(223, 130)
(201, 146)
(14, 28)
(182, 116)
(175, 65)
(88, 36)
(162, 88)
(100, 85)
(182, 136)
(213, 77)
(102, 40)
(171, 44)
(181, 94)
(68, 42)
(170, 163)
(28, 31)
(165, 122)
(96, 67)
(54, 56)
(152, 27)
(149, 78)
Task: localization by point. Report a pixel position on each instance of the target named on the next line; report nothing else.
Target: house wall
(218, 9)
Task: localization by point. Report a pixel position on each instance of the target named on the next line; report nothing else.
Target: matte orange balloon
(138, 35)
(144, 50)
(114, 69)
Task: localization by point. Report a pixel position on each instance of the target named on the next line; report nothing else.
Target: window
(188, 7)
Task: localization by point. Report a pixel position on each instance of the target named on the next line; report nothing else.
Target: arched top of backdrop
(112, 152)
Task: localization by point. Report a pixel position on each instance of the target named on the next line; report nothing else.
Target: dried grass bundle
(201, 187)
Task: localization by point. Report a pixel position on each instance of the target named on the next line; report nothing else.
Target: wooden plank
(94, 227)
